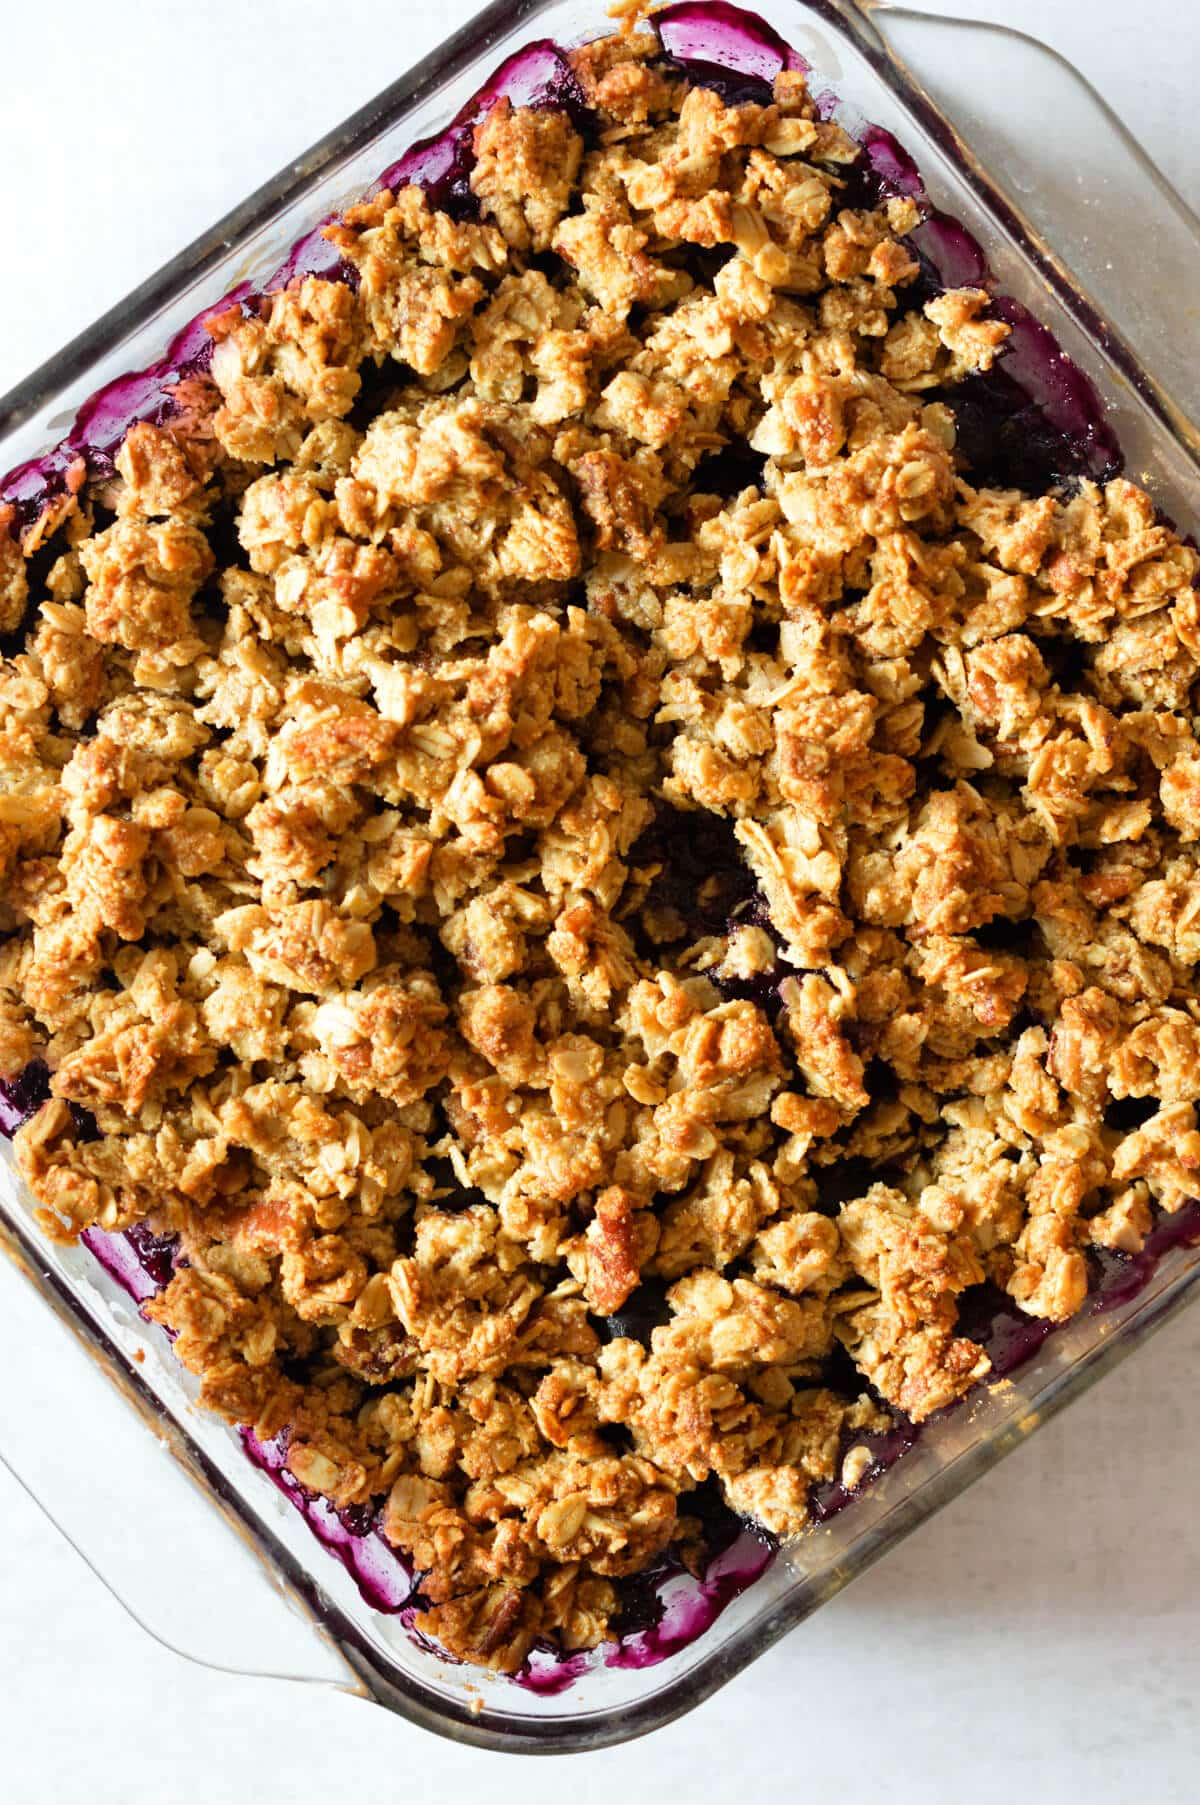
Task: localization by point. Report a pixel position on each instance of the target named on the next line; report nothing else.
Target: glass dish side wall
(609, 1705)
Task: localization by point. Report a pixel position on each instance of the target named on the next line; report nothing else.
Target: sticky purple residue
(724, 48)
(105, 417)
(140, 1261)
(1058, 391)
(1117, 1278)
(1009, 1337)
(691, 1606)
(352, 1536)
(442, 167)
(538, 75)
(989, 1317)
(949, 255)
(896, 176)
(1034, 417)
(547, 1671)
(660, 1612)
(21, 1098)
(313, 255)
(711, 31)
(886, 1447)
(665, 1608)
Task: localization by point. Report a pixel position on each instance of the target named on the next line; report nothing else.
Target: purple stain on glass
(690, 1606)
(1118, 1278)
(1009, 1337)
(21, 1098)
(547, 1671)
(882, 171)
(666, 1608)
(105, 418)
(313, 255)
(1036, 416)
(140, 1261)
(724, 48)
(662, 1610)
(893, 174)
(538, 75)
(1058, 391)
(988, 1316)
(886, 1447)
(352, 1536)
(950, 257)
(158, 1255)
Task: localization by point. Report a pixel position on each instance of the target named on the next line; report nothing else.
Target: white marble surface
(1041, 1638)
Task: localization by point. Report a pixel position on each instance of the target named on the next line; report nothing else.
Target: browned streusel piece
(14, 584)
(421, 276)
(525, 168)
(359, 892)
(619, 79)
(277, 371)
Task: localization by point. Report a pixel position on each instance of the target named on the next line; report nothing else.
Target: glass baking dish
(1130, 336)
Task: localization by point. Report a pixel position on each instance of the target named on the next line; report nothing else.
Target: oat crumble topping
(346, 767)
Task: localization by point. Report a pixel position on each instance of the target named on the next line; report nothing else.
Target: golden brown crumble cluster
(331, 762)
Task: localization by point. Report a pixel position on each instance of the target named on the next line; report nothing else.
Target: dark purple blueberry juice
(21, 1098)
(538, 75)
(352, 1536)
(140, 1261)
(725, 48)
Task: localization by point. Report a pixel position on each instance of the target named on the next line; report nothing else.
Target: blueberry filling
(22, 1097)
(140, 1261)
(640, 1316)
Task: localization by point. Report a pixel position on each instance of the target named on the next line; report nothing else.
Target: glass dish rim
(853, 18)
(593, 1727)
(597, 1726)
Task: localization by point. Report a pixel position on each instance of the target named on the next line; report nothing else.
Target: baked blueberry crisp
(589, 864)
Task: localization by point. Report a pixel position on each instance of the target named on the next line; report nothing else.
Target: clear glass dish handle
(1076, 174)
(134, 1514)
(117, 1495)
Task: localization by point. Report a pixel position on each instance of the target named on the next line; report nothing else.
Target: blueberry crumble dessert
(586, 865)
